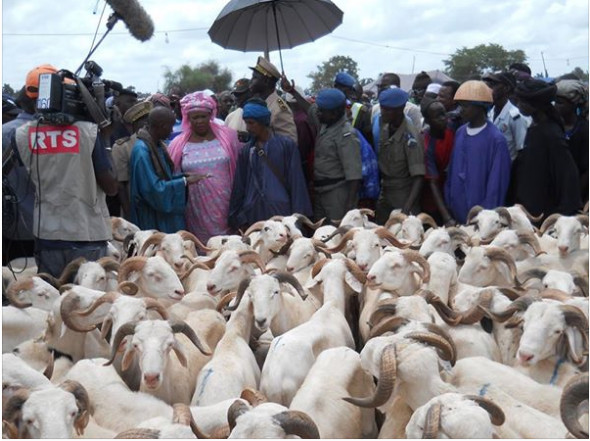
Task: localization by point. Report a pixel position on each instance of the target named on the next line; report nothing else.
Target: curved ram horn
(529, 215)
(343, 241)
(11, 410)
(295, 422)
(367, 212)
(253, 396)
(450, 316)
(50, 279)
(307, 222)
(432, 422)
(518, 305)
(257, 226)
(496, 414)
(500, 254)
(394, 219)
(82, 401)
(181, 414)
(65, 287)
(109, 297)
(242, 287)
(153, 304)
(583, 219)
(251, 256)
(237, 409)
(533, 273)
(555, 294)
(574, 393)
(548, 223)
(531, 240)
(385, 234)
(338, 231)
(503, 212)
(71, 270)
(14, 288)
(70, 303)
(109, 264)
(194, 266)
(575, 318)
(476, 313)
(355, 270)
(125, 330)
(389, 324)
(284, 277)
(130, 265)
(445, 348)
(383, 310)
(582, 284)
(317, 267)
(284, 249)
(320, 247)
(414, 256)
(225, 301)
(128, 288)
(473, 213)
(385, 384)
(187, 235)
(179, 326)
(442, 333)
(427, 219)
(154, 239)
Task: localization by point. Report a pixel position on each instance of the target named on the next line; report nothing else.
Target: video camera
(65, 98)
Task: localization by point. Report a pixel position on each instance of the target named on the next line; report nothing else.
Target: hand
(286, 85)
(194, 177)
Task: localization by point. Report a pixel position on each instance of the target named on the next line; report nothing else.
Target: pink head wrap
(227, 137)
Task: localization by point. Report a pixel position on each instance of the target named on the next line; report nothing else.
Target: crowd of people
(214, 163)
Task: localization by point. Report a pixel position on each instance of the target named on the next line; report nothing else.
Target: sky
(401, 36)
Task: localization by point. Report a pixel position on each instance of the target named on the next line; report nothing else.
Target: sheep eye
(274, 293)
(266, 229)
(73, 413)
(28, 421)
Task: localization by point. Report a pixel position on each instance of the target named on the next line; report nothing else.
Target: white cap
(433, 88)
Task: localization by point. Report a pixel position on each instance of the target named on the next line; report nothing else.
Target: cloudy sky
(380, 35)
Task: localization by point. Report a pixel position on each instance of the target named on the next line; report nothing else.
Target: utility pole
(413, 62)
(544, 67)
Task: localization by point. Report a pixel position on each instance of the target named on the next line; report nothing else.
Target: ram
(358, 217)
(520, 246)
(296, 222)
(573, 405)
(302, 255)
(229, 268)
(99, 275)
(409, 229)
(273, 236)
(488, 266)
(488, 223)
(173, 248)
(565, 234)
(445, 240)
(554, 279)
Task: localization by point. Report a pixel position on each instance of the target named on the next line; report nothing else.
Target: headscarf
(536, 92)
(227, 137)
(574, 91)
(258, 112)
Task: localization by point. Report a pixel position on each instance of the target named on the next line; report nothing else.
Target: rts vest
(70, 204)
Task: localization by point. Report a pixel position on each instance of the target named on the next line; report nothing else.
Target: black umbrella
(268, 25)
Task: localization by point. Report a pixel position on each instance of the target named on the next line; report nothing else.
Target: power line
(18, 34)
(389, 46)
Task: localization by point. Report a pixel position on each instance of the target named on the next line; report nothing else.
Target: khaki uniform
(401, 158)
(337, 160)
(281, 120)
(121, 156)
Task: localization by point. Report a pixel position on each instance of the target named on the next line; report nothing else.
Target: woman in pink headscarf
(207, 148)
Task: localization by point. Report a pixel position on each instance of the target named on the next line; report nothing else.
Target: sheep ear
(127, 359)
(179, 353)
(575, 350)
(353, 282)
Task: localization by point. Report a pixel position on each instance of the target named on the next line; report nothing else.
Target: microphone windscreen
(138, 21)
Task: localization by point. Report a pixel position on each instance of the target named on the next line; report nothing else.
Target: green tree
(466, 63)
(7, 89)
(581, 74)
(324, 76)
(188, 79)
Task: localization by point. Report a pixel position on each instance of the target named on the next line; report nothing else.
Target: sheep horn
(413, 256)
(427, 219)
(187, 235)
(184, 328)
(70, 303)
(532, 241)
(582, 284)
(355, 270)
(320, 247)
(473, 213)
(503, 212)
(284, 277)
(139, 433)
(396, 218)
(127, 243)
(441, 332)
(574, 393)
(555, 294)
(548, 223)
(65, 287)
(343, 241)
(389, 324)
(529, 215)
(533, 273)
(496, 414)
(450, 316)
(109, 297)
(156, 306)
(225, 301)
(307, 222)
(519, 305)
(194, 266)
(14, 288)
(50, 279)
(386, 383)
(575, 318)
(384, 233)
(128, 288)
(237, 409)
(244, 283)
(82, 401)
(181, 414)
(70, 270)
(11, 411)
(257, 226)
(495, 253)
(295, 422)
(130, 265)
(284, 249)
(383, 310)
(253, 396)
(48, 372)
(317, 267)
(444, 346)
(154, 239)
(475, 313)
(338, 231)
(432, 422)
(251, 256)
(367, 211)
(125, 330)
(583, 219)
(109, 264)
(458, 235)
(211, 262)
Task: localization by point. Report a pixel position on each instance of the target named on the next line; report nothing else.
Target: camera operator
(71, 171)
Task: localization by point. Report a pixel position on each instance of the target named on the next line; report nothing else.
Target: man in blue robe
(269, 179)
(157, 197)
(479, 170)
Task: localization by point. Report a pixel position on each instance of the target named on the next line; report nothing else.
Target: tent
(407, 80)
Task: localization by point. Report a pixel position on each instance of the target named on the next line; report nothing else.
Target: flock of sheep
(295, 329)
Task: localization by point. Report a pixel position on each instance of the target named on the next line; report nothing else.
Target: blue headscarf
(258, 112)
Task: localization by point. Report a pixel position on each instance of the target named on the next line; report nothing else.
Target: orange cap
(32, 81)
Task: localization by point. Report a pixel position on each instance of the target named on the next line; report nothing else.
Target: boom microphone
(138, 21)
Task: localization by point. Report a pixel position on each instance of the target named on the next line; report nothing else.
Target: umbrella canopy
(268, 25)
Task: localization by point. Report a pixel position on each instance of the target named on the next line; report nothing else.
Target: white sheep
(566, 233)
(445, 240)
(409, 229)
(302, 255)
(396, 271)
(230, 268)
(488, 266)
(273, 236)
(488, 223)
(520, 246)
(174, 248)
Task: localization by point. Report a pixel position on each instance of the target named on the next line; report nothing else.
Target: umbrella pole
(274, 12)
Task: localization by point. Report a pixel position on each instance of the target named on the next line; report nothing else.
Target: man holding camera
(71, 171)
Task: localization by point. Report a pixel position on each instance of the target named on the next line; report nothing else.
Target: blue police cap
(344, 79)
(394, 97)
(330, 99)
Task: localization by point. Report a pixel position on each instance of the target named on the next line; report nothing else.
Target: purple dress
(208, 200)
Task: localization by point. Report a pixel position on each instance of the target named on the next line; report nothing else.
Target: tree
(7, 89)
(581, 74)
(324, 77)
(188, 79)
(466, 63)
(363, 82)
